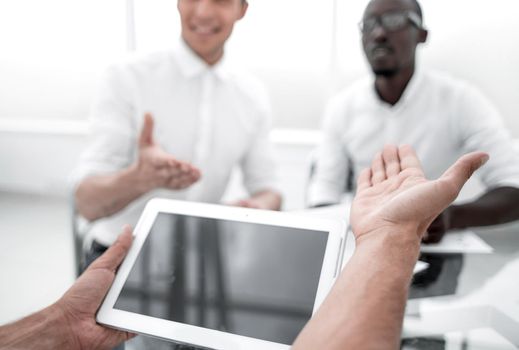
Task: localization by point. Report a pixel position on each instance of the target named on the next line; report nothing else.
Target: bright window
(52, 52)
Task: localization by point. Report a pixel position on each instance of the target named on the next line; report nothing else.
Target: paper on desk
(464, 241)
(420, 266)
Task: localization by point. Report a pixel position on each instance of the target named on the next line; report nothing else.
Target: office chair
(79, 229)
(312, 160)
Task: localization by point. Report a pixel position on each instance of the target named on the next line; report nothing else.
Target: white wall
(478, 41)
(51, 52)
(40, 161)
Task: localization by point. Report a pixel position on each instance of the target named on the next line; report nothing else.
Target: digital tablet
(221, 277)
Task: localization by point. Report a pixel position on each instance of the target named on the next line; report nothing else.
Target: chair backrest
(79, 230)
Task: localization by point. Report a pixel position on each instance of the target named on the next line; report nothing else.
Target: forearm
(268, 199)
(498, 206)
(103, 195)
(42, 330)
(365, 307)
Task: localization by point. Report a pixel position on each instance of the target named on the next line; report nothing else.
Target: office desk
(461, 301)
(467, 301)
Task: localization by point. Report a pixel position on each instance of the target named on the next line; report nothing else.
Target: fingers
(146, 137)
(166, 171)
(182, 176)
(112, 338)
(113, 257)
(180, 183)
(408, 158)
(196, 174)
(378, 170)
(175, 167)
(364, 180)
(391, 160)
(117, 337)
(162, 160)
(124, 336)
(183, 180)
(387, 164)
(179, 168)
(247, 203)
(463, 169)
(244, 203)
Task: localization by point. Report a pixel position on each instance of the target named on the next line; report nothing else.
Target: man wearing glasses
(439, 116)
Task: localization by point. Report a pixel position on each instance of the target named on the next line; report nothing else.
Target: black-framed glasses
(391, 21)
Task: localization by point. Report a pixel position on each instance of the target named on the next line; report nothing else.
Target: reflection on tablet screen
(248, 279)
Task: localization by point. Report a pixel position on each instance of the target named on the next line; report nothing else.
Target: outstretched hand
(394, 195)
(158, 169)
(79, 304)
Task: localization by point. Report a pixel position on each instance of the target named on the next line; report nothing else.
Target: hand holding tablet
(222, 277)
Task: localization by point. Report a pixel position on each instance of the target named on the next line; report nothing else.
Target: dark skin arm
(497, 206)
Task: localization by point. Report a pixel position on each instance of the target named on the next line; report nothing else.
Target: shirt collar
(410, 91)
(192, 65)
(412, 87)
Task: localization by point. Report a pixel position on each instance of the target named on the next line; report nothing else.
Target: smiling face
(391, 52)
(207, 24)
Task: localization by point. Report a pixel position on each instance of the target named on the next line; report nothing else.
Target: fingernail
(484, 159)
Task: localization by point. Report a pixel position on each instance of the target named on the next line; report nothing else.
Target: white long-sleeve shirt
(442, 118)
(214, 117)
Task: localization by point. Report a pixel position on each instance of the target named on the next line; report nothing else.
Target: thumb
(114, 338)
(146, 138)
(112, 258)
(458, 174)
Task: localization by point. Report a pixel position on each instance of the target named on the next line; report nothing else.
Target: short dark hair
(416, 5)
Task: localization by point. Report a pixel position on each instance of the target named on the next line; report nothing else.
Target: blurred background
(52, 53)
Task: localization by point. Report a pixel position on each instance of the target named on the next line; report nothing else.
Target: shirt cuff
(258, 186)
(320, 193)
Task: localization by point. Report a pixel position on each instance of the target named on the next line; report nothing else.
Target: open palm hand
(395, 194)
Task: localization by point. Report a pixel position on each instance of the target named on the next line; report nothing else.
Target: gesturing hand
(394, 195)
(156, 168)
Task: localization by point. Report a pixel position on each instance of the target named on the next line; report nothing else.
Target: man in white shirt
(439, 116)
(174, 125)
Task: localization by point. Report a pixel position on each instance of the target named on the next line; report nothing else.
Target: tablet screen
(243, 278)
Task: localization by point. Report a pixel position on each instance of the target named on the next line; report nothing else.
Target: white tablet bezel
(184, 333)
